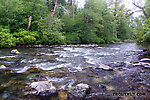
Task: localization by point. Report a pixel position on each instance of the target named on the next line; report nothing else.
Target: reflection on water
(67, 66)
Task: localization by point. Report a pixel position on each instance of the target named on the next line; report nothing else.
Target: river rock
(83, 86)
(3, 67)
(15, 52)
(80, 90)
(105, 67)
(41, 88)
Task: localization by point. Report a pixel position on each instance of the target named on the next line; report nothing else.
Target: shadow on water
(113, 72)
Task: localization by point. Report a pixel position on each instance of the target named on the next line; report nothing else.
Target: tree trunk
(30, 18)
(53, 12)
(73, 3)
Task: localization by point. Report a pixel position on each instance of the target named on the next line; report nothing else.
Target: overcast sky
(128, 4)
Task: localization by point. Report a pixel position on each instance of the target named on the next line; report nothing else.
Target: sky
(128, 4)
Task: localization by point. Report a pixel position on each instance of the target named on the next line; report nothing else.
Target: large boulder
(41, 88)
(15, 52)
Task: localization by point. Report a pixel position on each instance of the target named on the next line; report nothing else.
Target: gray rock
(15, 52)
(41, 87)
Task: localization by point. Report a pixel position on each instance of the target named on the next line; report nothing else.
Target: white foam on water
(105, 54)
(115, 48)
(54, 79)
(3, 57)
(22, 70)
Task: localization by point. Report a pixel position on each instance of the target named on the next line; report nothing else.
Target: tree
(145, 9)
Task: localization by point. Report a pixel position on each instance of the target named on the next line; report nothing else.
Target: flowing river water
(67, 66)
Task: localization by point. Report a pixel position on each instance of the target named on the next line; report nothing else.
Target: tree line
(28, 22)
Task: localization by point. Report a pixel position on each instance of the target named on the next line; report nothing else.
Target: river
(67, 66)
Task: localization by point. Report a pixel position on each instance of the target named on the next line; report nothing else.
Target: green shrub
(116, 40)
(72, 38)
(146, 38)
(6, 39)
(26, 37)
(100, 41)
(52, 38)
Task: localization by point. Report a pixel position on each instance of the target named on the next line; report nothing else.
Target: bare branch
(142, 8)
(53, 12)
(30, 18)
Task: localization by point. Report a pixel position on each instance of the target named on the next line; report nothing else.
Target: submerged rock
(3, 67)
(34, 70)
(110, 88)
(41, 88)
(15, 52)
(63, 95)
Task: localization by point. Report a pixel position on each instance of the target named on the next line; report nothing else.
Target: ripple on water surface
(68, 66)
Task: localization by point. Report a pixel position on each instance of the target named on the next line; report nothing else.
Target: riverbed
(113, 72)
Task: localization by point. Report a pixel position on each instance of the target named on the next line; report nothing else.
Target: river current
(66, 66)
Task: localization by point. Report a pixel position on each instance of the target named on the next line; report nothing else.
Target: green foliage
(26, 37)
(72, 38)
(146, 38)
(15, 13)
(116, 40)
(6, 39)
(124, 30)
(143, 35)
(52, 38)
(51, 34)
(95, 23)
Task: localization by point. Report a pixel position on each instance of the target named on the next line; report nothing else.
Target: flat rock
(15, 52)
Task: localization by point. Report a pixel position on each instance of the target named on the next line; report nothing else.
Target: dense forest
(48, 22)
